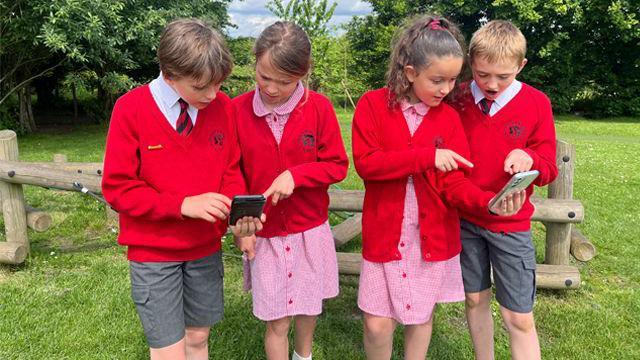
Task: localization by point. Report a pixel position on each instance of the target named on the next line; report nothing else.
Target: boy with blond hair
(510, 129)
(171, 165)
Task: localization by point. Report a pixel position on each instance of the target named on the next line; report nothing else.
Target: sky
(251, 16)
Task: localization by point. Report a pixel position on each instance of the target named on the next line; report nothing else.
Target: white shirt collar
(167, 95)
(167, 100)
(507, 95)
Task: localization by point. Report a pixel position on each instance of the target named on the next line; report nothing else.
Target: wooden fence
(558, 212)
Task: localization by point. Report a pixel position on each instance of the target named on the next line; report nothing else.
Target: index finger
(268, 192)
(461, 159)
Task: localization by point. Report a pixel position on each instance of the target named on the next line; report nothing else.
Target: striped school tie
(485, 105)
(184, 125)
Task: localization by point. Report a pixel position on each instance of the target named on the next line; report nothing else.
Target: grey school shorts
(170, 296)
(513, 259)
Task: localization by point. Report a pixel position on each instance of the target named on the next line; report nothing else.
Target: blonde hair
(190, 48)
(289, 48)
(498, 41)
(416, 43)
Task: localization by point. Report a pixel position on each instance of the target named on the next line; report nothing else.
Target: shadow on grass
(73, 248)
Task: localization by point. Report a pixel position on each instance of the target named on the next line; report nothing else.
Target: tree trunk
(26, 121)
(75, 103)
(32, 119)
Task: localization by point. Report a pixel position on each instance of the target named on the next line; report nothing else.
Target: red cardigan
(149, 169)
(311, 149)
(385, 154)
(526, 123)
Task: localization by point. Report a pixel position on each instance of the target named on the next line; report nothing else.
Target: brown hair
(190, 48)
(498, 41)
(289, 48)
(415, 44)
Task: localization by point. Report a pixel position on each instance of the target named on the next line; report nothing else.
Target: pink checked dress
(290, 275)
(407, 290)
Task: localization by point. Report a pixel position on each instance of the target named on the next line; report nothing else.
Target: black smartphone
(246, 205)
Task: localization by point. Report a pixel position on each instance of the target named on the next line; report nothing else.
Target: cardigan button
(424, 237)
(427, 255)
(423, 214)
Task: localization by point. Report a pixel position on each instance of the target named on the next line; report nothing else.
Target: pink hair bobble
(435, 24)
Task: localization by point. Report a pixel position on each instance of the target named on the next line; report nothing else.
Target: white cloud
(250, 25)
(251, 16)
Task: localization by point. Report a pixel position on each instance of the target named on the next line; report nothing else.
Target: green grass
(70, 299)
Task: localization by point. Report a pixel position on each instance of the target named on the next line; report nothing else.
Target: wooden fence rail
(558, 212)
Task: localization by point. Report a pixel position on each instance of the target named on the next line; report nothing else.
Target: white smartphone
(518, 182)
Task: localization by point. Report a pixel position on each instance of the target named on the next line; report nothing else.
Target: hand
(208, 206)
(248, 226)
(281, 188)
(517, 161)
(511, 205)
(447, 160)
(247, 244)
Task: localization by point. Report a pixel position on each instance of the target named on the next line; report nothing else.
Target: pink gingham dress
(290, 275)
(407, 290)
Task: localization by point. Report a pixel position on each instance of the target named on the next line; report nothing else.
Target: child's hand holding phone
(248, 226)
(208, 206)
(510, 205)
(246, 215)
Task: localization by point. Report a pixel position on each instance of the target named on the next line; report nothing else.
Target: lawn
(70, 299)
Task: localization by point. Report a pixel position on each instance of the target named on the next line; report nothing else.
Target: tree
(583, 53)
(114, 39)
(242, 78)
(117, 39)
(313, 17)
(22, 58)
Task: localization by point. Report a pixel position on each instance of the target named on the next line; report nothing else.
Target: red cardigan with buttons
(311, 148)
(385, 155)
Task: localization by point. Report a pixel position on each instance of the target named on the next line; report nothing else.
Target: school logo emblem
(514, 130)
(308, 141)
(438, 141)
(216, 139)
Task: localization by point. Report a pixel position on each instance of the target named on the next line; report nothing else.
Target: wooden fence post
(558, 237)
(16, 248)
(37, 220)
